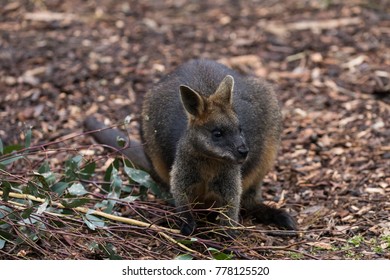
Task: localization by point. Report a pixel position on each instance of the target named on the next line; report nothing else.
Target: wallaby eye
(217, 133)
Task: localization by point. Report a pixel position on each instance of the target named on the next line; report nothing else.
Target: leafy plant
(40, 198)
(356, 240)
(296, 256)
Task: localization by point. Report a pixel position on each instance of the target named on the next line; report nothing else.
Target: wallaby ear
(224, 92)
(192, 101)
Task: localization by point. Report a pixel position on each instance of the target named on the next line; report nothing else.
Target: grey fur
(176, 131)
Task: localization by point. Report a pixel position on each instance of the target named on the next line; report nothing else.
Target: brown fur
(211, 136)
(161, 168)
(267, 160)
(178, 112)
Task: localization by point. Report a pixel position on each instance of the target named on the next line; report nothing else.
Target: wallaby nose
(243, 151)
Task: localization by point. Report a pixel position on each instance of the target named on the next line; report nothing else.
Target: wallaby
(211, 135)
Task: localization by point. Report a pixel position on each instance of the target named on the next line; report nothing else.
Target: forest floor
(329, 62)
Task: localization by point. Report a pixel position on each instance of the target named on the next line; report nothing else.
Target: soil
(328, 60)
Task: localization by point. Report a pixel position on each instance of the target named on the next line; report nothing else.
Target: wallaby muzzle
(242, 151)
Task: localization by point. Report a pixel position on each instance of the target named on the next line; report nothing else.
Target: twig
(285, 248)
(180, 245)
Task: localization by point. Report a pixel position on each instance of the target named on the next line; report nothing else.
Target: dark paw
(284, 220)
(187, 228)
(268, 215)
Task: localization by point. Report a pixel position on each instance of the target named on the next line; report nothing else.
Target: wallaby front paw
(187, 228)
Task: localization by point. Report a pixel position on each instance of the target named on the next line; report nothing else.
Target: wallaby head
(213, 127)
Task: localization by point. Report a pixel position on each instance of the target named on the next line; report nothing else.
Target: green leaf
(356, 240)
(1, 147)
(184, 257)
(218, 255)
(72, 167)
(26, 232)
(187, 241)
(107, 177)
(10, 159)
(77, 189)
(6, 235)
(77, 160)
(2, 244)
(92, 221)
(5, 226)
(109, 206)
(73, 203)
(143, 178)
(88, 170)
(32, 220)
(44, 168)
(6, 187)
(45, 176)
(26, 213)
(42, 179)
(42, 208)
(109, 250)
(130, 198)
(93, 246)
(4, 211)
(28, 138)
(47, 179)
(12, 148)
(31, 188)
(89, 224)
(60, 188)
(50, 177)
(127, 189)
(116, 184)
(115, 190)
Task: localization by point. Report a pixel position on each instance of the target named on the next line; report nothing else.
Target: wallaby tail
(108, 136)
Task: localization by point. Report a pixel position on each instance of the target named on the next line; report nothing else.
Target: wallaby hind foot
(262, 213)
(271, 216)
